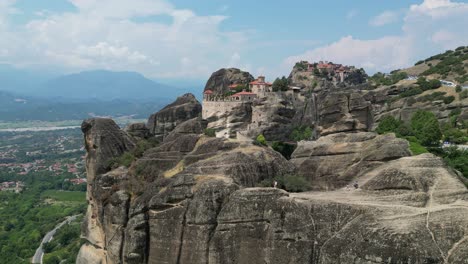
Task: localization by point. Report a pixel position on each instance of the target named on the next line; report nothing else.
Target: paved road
(48, 237)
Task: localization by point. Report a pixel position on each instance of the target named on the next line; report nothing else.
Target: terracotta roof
(243, 93)
(257, 82)
(324, 66)
(208, 92)
(233, 85)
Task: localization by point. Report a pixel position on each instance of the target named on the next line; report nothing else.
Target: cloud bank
(429, 27)
(149, 36)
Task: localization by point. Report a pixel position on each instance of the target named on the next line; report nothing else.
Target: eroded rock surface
(220, 80)
(193, 199)
(182, 109)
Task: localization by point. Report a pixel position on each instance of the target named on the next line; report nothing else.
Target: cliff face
(182, 109)
(193, 199)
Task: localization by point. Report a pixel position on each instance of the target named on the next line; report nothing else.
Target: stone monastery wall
(218, 108)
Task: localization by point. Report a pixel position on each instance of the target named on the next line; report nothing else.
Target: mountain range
(39, 95)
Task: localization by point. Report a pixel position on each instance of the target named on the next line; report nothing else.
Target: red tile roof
(232, 86)
(208, 92)
(243, 93)
(257, 82)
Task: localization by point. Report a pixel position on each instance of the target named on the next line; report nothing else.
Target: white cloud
(96, 36)
(386, 17)
(371, 54)
(428, 28)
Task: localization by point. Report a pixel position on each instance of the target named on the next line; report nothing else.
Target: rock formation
(138, 131)
(184, 108)
(195, 198)
(221, 79)
(192, 200)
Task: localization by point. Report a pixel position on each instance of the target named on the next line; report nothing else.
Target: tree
(426, 128)
(280, 84)
(388, 124)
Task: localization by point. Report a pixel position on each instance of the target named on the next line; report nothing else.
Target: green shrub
(415, 147)
(457, 159)
(260, 140)
(301, 133)
(280, 84)
(464, 94)
(411, 92)
(388, 124)
(210, 132)
(458, 88)
(448, 99)
(428, 85)
(425, 127)
(432, 97)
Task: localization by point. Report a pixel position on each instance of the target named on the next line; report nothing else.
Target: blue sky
(186, 39)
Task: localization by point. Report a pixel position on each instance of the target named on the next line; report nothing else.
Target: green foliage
(64, 196)
(357, 77)
(290, 183)
(432, 97)
(428, 85)
(458, 88)
(301, 66)
(66, 244)
(388, 124)
(260, 140)
(457, 159)
(450, 61)
(419, 62)
(448, 99)
(280, 84)
(415, 147)
(411, 92)
(210, 132)
(301, 133)
(286, 149)
(425, 127)
(463, 94)
(381, 79)
(26, 218)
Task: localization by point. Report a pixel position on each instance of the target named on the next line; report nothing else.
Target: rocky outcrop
(203, 209)
(138, 131)
(333, 161)
(182, 109)
(194, 198)
(104, 140)
(107, 209)
(221, 79)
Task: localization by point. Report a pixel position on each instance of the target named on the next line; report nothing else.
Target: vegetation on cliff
(424, 134)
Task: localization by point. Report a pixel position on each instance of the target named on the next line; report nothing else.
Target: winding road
(48, 237)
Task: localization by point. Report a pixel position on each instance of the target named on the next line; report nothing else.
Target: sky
(187, 39)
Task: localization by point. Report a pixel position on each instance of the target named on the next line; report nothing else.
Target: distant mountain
(19, 108)
(98, 84)
(22, 81)
(107, 85)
